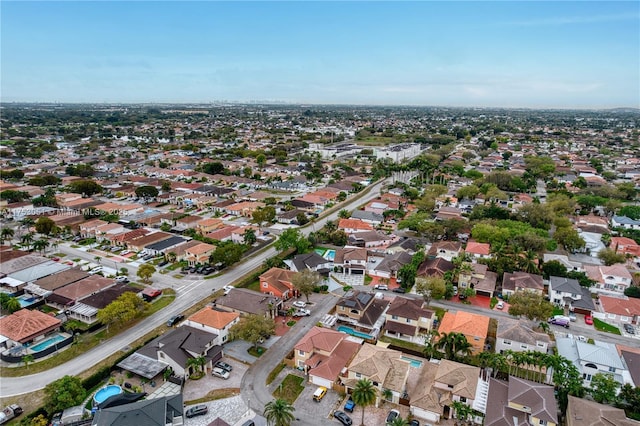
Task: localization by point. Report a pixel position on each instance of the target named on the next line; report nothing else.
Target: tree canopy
(63, 393)
(529, 304)
(252, 328)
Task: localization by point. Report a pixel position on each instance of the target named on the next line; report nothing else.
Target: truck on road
(10, 412)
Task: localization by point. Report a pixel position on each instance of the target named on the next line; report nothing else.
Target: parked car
(381, 287)
(122, 279)
(588, 320)
(164, 262)
(299, 304)
(500, 305)
(393, 414)
(455, 290)
(343, 418)
(302, 313)
(629, 329)
(399, 290)
(414, 422)
(249, 423)
(319, 393)
(219, 372)
(124, 253)
(174, 320)
(572, 316)
(349, 405)
(462, 296)
(198, 410)
(224, 366)
(563, 321)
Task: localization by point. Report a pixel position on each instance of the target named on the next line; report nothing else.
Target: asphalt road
(188, 293)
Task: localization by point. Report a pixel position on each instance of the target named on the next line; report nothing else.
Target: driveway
(195, 389)
(231, 410)
(307, 408)
(238, 349)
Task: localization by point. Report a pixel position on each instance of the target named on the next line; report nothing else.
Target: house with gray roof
(164, 411)
(391, 264)
(249, 302)
(312, 261)
(624, 222)
(164, 246)
(520, 336)
(520, 402)
(591, 359)
(568, 292)
(369, 217)
(362, 311)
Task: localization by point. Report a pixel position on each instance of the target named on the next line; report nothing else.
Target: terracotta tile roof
(24, 325)
(354, 224)
(330, 367)
(278, 278)
(625, 307)
(404, 307)
(85, 287)
(478, 248)
(200, 249)
(214, 318)
(465, 323)
(318, 338)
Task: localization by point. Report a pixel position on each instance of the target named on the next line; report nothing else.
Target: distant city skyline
(521, 54)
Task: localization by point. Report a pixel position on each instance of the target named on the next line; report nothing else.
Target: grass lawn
(290, 388)
(274, 373)
(402, 344)
(255, 286)
(256, 352)
(603, 326)
(557, 311)
(61, 255)
(175, 266)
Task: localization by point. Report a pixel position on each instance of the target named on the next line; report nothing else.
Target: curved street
(188, 293)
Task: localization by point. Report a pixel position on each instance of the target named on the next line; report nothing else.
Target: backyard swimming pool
(330, 255)
(26, 300)
(414, 362)
(46, 343)
(104, 393)
(351, 331)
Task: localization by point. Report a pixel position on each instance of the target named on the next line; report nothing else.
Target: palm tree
(462, 410)
(171, 256)
(27, 239)
(399, 421)
(197, 362)
(279, 413)
(27, 359)
(6, 234)
(454, 344)
(364, 394)
(40, 245)
(528, 262)
(386, 394)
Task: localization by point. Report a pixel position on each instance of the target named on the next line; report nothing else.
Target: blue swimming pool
(320, 251)
(46, 343)
(330, 255)
(414, 362)
(352, 332)
(26, 300)
(106, 392)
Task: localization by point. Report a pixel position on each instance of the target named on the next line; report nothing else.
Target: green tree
(629, 399)
(407, 275)
(630, 211)
(44, 225)
(122, 310)
(253, 328)
(40, 245)
(569, 238)
(344, 214)
(455, 345)
(6, 234)
(431, 288)
(292, 238)
(249, 236)
(469, 192)
(306, 281)
(145, 272)
(196, 363)
(261, 159)
(27, 239)
(279, 413)
(462, 411)
(9, 304)
(63, 393)
(227, 253)
(13, 196)
(27, 359)
(213, 168)
(604, 388)
(147, 191)
(85, 187)
(364, 394)
(553, 268)
(529, 304)
(399, 421)
(610, 257)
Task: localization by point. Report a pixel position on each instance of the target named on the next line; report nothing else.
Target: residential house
(139, 244)
(87, 309)
(592, 358)
(409, 245)
(164, 246)
(371, 218)
(27, 326)
(479, 278)
(521, 281)
(177, 346)
(238, 234)
(351, 260)
(199, 254)
(614, 279)
(324, 354)
(362, 311)
(408, 319)
(370, 239)
(88, 229)
(584, 412)
(478, 250)
(391, 264)
(70, 294)
(384, 367)
(445, 249)
(434, 267)
(249, 302)
(244, 208)
(626, 246)
(223, 234)
(520, 336)
(204, 226)
(474, 327)
(441, 383)
(625, 222)
(563, 260)
(520, 402)
(214, 321)
(568, 293)
(312, 261)
(352, 226)
(162, 411)
(620, 310)
(278, 282)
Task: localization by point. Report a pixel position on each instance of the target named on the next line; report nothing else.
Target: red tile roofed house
(323, 354)
(103, 231)
(78, 290)
(223, 234)
(352, 226)
(624, 245)
(237, 236)
(278, 282)
(88, 229)
(125, 237)
(215, 321)
(139, 244)
(474, 327)
(199, 254)
(521, 281)
(209, 224)
(25, 326)
(478, 250)
(64, 199)
(244, 208)
(620, 310)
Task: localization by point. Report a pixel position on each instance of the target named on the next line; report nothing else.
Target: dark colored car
(414, 422)
(349, 405)
(174, 320)
(629, 329)
(198, 410)
(249, 423)
(461, 296)
(164, 262)
(224, 366)
(343, 418)
(393, 414)
(399, 290)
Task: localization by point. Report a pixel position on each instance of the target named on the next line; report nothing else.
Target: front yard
(603, 326)
(290, 388)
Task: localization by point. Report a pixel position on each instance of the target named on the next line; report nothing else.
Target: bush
(96, 378)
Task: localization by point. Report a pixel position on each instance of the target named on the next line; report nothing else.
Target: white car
(302, 313)
(227, 289)
(500, 305)
(219, 372)
(299, 304)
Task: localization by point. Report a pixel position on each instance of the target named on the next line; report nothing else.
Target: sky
(546, 54)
